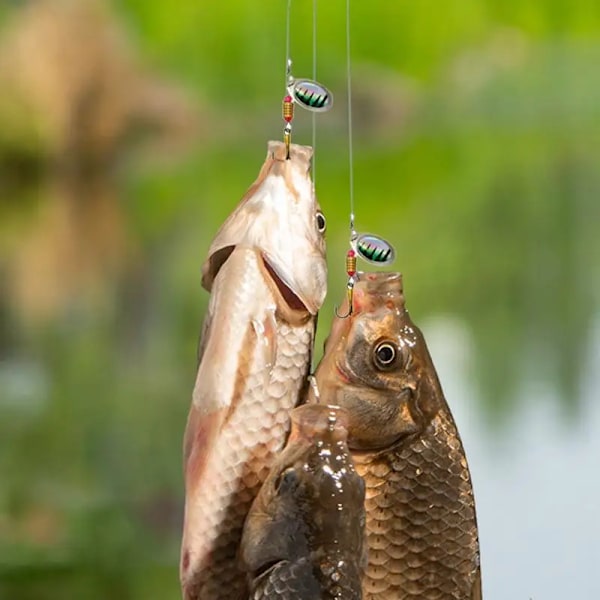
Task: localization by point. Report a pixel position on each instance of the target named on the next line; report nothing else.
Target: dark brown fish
(304, 536)
(421, 522)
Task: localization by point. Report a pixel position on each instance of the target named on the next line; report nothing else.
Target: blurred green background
(130, 129)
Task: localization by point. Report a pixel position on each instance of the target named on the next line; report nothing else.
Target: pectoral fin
(265, 331)
(201, 434)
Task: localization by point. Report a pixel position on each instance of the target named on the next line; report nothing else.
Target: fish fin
(222, 385)
(200, 434)
(266, 335)
(223, 351)
(476, 593)
(268, 538)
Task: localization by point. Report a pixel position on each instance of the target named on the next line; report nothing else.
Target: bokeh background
(129, 129)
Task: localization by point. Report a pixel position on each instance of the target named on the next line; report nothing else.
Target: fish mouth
(345, 377)
(289, 296)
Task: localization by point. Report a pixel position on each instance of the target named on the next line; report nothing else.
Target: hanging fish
(267, 275)
(304, 537)
(421, 522)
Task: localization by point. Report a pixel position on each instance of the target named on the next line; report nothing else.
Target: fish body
(267, 275)
(304, 537)
(421, 521)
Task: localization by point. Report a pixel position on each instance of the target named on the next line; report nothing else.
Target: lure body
(421, 521)
(267, 274)
(304, 537)
(311, 95)
(374, 249)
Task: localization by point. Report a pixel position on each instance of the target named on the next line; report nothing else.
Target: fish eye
(286, 481)
(385, 355)
(321, 222)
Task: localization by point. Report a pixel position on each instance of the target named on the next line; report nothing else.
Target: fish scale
(419, 500)
(246, 448)
(295, 581)
(266, 273)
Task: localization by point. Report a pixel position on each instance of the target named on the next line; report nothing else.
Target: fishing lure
(369, 247)
(310, 94)
(372, 249)
(307, 93)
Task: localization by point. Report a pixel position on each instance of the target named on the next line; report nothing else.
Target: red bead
(351, 263)
(288, 109)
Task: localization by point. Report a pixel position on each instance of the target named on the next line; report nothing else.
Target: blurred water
(537, 483)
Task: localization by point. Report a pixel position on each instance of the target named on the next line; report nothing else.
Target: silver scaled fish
(267, 275)
(304, 538)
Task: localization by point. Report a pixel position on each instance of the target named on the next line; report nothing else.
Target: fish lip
(290, 297)
(342, 373)
(347, 377)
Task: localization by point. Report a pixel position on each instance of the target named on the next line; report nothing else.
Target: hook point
(340, 316)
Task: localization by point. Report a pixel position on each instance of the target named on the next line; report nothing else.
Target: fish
(421, 519)
(304, 537)
(267, 275)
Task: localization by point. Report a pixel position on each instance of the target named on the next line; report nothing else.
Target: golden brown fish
(267, 273)
(304, 538)
(421, 523)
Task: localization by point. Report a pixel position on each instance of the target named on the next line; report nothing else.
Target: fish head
(313, 498)
(376, 366)
(280, 217)
(323, 475)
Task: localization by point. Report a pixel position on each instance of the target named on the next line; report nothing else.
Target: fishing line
(372, 248)
(349, 93)
(307, 93)
(288, 60)
(314, 76)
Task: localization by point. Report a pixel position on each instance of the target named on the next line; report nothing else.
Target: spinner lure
(369, 247)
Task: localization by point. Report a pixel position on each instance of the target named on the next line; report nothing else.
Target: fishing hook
(288, 110)
(351, 271)
(350, 296)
